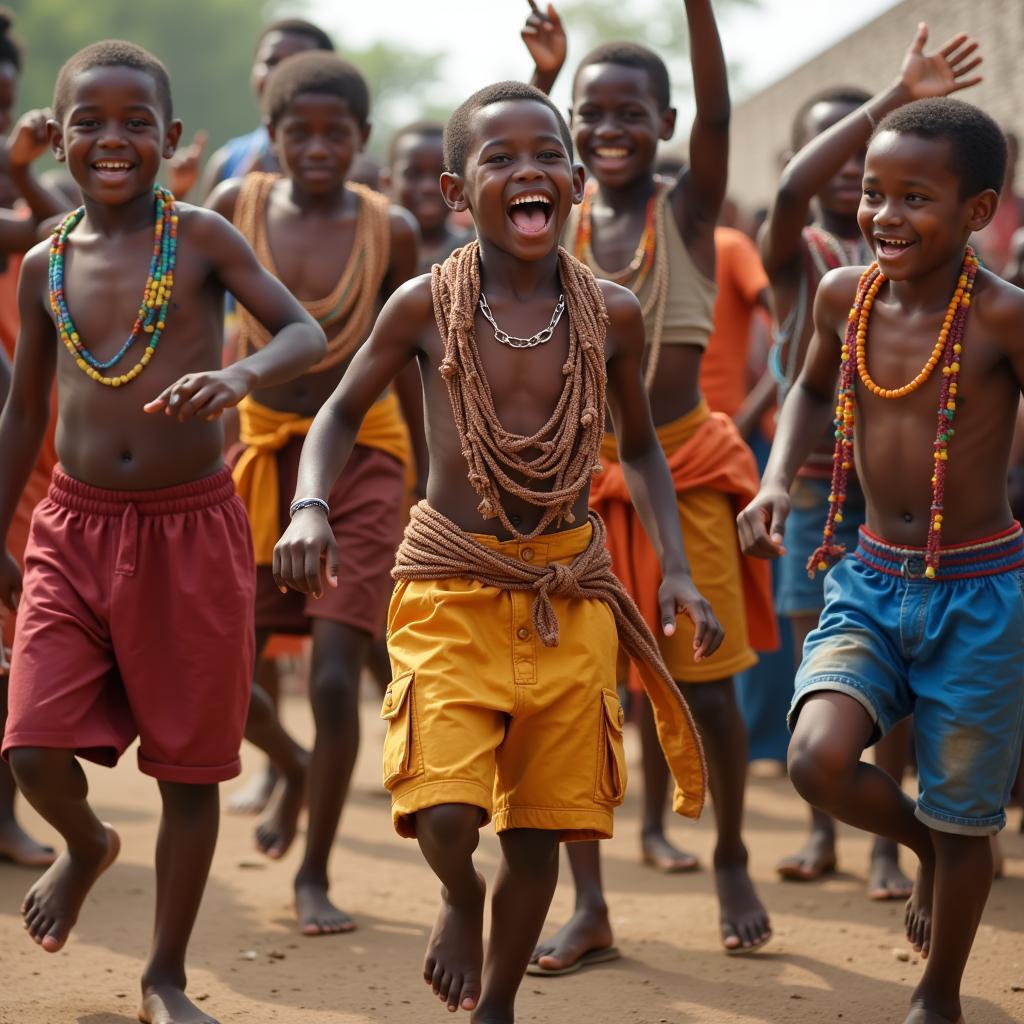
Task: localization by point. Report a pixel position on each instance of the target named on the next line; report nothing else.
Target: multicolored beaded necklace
(156, 298)
(948, 348)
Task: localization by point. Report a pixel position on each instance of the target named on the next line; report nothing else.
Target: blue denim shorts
(798, 594)
(948, 651)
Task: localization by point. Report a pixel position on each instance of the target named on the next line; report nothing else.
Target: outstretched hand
(201, 395)
(678, 595)
(27, 141)
(184, 166)
(762, 524)
(545, 38)
(306, 556)
(939, 74)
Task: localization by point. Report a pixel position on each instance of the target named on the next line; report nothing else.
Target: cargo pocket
(611, 761)
(401, 758)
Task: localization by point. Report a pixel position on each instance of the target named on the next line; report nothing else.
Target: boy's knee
(709, 702)
(449, 825)
(817, 768)
(334, 692)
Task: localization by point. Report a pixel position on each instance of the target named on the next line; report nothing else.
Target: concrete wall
(870, 58)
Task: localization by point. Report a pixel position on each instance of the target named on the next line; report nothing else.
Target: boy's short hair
(430, 129)
(847, 94)
(10, 46)
(299, 27)
(324, 74)
(458, 131)
(632, 55)
(111, 53)
(977, 144)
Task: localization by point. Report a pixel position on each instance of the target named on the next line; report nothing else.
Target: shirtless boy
(659, 237)
(926, 616)
(502, 640)
(822, 184)
(342, 250)
(135, 614)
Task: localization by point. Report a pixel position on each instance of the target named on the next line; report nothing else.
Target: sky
(481, 37)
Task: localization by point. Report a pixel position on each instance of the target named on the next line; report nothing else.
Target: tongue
(530, 218)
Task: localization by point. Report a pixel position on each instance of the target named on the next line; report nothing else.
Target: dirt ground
(834, 956)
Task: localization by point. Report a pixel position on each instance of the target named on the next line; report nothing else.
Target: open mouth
(112, 168)
(530, 212)
(891, 247)
(611, 152)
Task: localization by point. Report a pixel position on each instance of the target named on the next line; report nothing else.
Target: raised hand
(545, 38)
(678, 595)
(28, 141)
(201, 395)
(183, 167)
(941, 73)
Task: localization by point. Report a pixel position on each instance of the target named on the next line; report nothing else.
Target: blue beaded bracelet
(297, 506)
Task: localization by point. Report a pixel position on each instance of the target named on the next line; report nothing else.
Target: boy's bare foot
(316, 913)
(254, 796)
(922, 1015)
(455, 952)
(276, 830)
(586, 933)
(886, 881)
(918, 916)
(52, 905)
(168, 1004)
(20, 848)
(816, 858)
(743, 918)
(660, 854)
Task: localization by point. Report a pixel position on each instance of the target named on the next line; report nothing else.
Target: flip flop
(588, 959)
(747, 950)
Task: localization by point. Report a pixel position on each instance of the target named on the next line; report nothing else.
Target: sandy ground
(833, 956)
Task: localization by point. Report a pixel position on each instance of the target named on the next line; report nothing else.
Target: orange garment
(714, 457)
(741, 278)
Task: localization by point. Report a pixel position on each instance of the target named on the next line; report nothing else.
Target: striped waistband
(1003, 552)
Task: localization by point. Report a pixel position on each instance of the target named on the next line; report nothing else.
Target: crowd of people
(411, 413)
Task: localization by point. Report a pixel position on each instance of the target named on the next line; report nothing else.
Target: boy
(412, 179)
(486, 711)
(822, 183)
(122, 628)
(660, 238)
(342, 249)
(927, 615)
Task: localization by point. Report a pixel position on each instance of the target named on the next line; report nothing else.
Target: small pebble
(249, 954)
(902, 955)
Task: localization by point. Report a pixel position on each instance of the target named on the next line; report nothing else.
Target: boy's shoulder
(403, 226)
(224, 198)
(838, 289)
(622, 305)
(414, 300)
(999, 305)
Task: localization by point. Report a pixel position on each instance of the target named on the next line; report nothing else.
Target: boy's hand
(27, 141)
(10, 582)
(183, 170)
(938, 74)
(545, 39)
(202, 395)
(762, 523)
(677, 594)
(307, 554)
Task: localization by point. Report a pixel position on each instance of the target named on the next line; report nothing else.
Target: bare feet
(918, 915)
(254, 796)
(455, 952)
(20, 848)
(885, 879)
(922, 1015)
(584, 939)
(659, 853)
(743, 918)
(168, 1004)
(52, 905)
(316, 913)
(276, 830)
(816, 858)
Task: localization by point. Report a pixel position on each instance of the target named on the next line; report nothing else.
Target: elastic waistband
(1002, 552)
(548, 547)
(70, 493)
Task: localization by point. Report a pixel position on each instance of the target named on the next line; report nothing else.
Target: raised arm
(546, 40)
(647, 474)
(921, 75)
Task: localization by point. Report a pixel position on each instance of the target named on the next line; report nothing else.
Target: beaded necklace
(636, 271)
(948, 348)
(156, 297)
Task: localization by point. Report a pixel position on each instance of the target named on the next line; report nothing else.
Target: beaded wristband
(298, 506)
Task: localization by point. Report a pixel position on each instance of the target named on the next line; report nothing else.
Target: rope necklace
(948, 348)
(566, 448)
(156, 297)
(512, 340)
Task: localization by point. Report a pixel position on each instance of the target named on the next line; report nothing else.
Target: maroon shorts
(136, 620)
(367, 504)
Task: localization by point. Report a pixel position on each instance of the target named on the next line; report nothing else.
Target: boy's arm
(26, 143)
(297, 342)
(26, 412)
(545, 38)
(306, 556)
(921, 75)
(647, 474)
(805, 416)
(698, 192)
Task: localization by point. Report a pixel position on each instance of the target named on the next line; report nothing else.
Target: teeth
(519, 200)
(898, 242)
(112, 165)
(612, 152)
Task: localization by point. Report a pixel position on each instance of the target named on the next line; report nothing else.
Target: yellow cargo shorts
(480, 712)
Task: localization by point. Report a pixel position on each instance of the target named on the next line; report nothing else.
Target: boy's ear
(668, 124)
(981, 209)
(579, 181)
(453, 188)
(172, 138)
(55, 136)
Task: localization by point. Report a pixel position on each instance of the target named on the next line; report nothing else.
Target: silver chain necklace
(535, 339)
